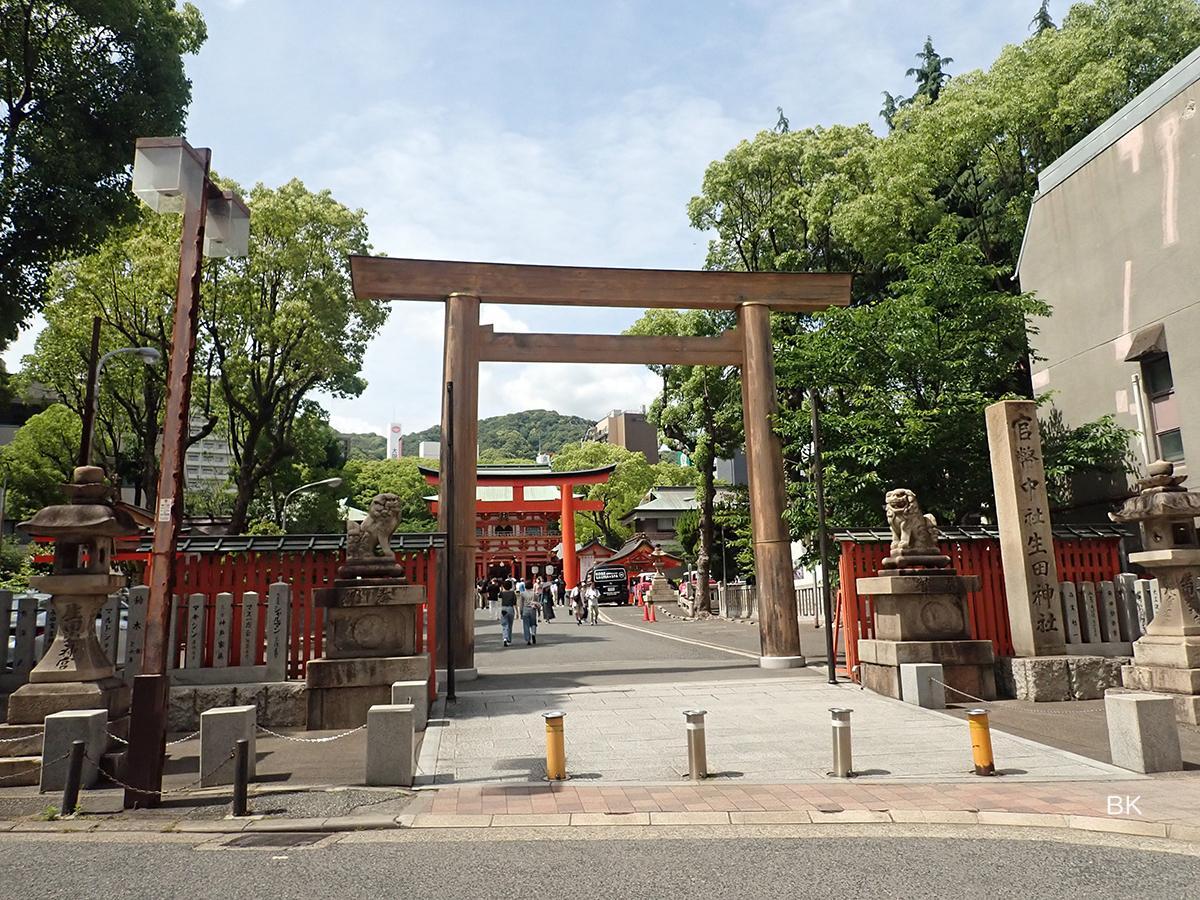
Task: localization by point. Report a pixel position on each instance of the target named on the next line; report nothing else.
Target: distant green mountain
(364, 446)
(519, 435)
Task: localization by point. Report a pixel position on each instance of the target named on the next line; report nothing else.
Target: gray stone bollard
(918, 685)
(62, 730)
(220, 730)
(416, 693)
(1142, 735)
(390, 745)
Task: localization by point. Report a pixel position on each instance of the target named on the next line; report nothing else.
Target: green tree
(699, 412)
(79, 82)
(39, 461)
(626, 487)
(401, 477)
(318, 453)
(1042, 20)
(129, 283)
(283, 323)
(930, 75)
(904, 384)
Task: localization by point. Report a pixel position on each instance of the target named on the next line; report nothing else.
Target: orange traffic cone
(646, 612)
(653, 617)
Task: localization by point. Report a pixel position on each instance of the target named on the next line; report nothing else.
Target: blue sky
(568, 132)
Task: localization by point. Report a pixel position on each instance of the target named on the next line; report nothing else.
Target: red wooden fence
(1079, 559)
(235, 573)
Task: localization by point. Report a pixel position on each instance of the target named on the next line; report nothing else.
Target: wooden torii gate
(463, 286)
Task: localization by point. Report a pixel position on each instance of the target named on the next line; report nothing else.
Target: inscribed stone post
(278, 600)
(1090, 612)
(1110, 619)
(1127, 609)
(110, 621)
(1023, 517)
(25, 638)
(249, 648)
(6, 604)
(135, 632)
(193, 654)
(1145, 606)
(222, 629)
(1070, 608)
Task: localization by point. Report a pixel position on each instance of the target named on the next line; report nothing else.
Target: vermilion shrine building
(523, 513)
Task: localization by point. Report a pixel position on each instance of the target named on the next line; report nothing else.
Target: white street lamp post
(333, 483)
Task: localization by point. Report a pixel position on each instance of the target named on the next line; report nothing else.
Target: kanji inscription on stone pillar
(1023, 518)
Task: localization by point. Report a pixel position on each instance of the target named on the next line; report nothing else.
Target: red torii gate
(519, 478)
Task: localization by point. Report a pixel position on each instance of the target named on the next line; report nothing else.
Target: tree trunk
(704, 557)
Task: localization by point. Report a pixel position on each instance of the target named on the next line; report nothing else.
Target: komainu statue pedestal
(371, 628)
(921, 613)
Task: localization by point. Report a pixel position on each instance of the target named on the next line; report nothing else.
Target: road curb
(1119, 825)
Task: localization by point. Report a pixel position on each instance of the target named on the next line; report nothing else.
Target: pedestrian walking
(492, 593)
(547, 600)
(593, 603)
(575, 596)
(508, 611)
(529, 618)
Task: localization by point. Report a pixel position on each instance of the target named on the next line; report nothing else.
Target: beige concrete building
(629, 430)
(1113, 245)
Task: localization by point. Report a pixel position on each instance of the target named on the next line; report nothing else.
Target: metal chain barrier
(40, 765)
(957, 691)
(23, 737)
(182, 740)
(321, 740)
(183, 790)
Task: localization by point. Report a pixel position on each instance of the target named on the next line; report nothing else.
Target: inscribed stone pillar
(1023, 518)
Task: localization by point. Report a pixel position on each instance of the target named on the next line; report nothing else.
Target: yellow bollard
(981, 742)
(556, 749)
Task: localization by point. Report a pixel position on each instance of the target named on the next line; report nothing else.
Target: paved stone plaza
(774, 730)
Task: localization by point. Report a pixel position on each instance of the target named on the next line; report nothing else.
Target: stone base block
(1172, 652)
(20, 740)
(281, 704)
(973, 681)
(1142, 734)
(1056, 679)
(948, 653)
(416, 693)
(19, 771)
(1110, 649)
(1161, 678)
(921, 684)
(220, 730)
(390, 744)
(31, 703)
(62, 730)
(341, 691)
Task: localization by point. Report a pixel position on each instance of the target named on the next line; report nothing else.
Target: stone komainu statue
(913, 532)
(372, 537)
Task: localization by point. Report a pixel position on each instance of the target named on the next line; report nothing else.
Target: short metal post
(74, 777)
(241, 775)
(981, 742)
(697, 754)
(556, 750)
(842, 763)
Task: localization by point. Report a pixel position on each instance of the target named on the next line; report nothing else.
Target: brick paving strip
(1164, 807)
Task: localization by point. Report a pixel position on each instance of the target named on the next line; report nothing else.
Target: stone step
(20, 771)
(30, 740)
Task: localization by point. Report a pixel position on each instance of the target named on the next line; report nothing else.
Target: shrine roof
(521, 475)
(637, 543)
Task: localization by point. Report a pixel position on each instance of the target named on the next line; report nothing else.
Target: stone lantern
(75, 673)
(1167, 657)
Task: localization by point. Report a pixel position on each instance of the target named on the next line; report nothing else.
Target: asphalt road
(543, 865)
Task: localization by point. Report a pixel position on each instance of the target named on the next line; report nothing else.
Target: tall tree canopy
(79, 82)
(282, 323)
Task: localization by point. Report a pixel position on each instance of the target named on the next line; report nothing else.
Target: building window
(533, 530)
(503, 531)
(1164, 410)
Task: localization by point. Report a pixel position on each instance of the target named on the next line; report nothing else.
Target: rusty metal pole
(89, 401)
(148, 719)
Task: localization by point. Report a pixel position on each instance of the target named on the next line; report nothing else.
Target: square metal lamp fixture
(166, 173)
(227, 226)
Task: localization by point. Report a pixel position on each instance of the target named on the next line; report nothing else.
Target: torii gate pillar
(779, 628)
(456, 515)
